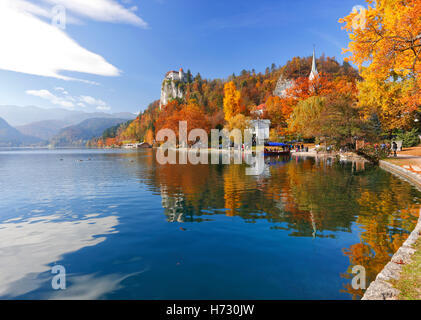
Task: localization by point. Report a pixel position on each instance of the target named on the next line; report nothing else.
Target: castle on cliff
(172, 86)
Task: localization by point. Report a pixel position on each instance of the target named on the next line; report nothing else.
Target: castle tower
(313, 73)
(181, 74)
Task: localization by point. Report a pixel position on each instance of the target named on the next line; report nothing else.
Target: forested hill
(80, 134)
(204, 99)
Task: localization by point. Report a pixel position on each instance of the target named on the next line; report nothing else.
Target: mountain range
(80, 134)
(24, 126)
(45, 129)
(20, 116)
(11, 137)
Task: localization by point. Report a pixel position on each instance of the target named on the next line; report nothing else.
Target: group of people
(299, 148)
(394, 147)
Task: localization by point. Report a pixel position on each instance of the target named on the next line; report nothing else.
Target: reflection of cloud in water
(27, 247)
(90, 287)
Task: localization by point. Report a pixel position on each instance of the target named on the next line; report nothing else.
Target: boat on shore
(276, 149)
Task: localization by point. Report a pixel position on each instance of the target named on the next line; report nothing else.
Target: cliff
(173, 86)
(171, 89)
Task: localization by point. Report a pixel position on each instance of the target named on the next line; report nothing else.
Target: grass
(409, 283)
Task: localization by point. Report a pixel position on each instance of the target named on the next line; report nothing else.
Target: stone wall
(381, 288)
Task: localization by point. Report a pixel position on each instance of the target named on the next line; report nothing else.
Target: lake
(125, 227)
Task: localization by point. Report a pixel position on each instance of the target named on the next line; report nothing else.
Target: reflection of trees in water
(305, 198)
(386, 214)
(322, 196)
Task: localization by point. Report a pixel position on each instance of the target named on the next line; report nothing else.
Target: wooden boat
(273, 152)
(276, 149)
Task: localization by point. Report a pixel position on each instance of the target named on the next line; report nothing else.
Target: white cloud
(100, 105)
(103, 108)
(31, 44)
(90, 100)
(101, 10)
(68, 101)
(23, 5)
(47, 95)
(40, 11)
(62, 90)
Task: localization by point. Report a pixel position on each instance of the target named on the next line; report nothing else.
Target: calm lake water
(125, 227)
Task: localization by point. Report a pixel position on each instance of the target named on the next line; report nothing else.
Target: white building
(175, 75)
(260, 129)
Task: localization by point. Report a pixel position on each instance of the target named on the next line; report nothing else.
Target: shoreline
(382, 288)
(348, 156)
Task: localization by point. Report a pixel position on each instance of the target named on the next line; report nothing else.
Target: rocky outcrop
(173, 87)
(282, 86)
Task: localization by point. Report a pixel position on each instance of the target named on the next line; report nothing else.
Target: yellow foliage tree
(238, 121)
(306, 117)
(386, 45)
(232, 101)
(387, 100)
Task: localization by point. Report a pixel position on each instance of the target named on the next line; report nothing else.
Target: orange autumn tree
(170, 118)
(149, 137)
(386, 45)
(325, 108)
(278, 111)
(233, 103)
(281, 110)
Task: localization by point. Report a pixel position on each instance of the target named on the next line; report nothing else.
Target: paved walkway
(409, 159)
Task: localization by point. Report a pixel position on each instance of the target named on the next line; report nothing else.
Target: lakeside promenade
(401, 277)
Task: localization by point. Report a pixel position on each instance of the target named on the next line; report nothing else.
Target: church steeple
(313, 73)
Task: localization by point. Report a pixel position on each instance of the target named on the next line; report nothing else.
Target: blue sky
(125, 47)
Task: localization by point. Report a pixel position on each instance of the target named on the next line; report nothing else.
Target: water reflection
(317, 198)
(195, 231)
(90, 287)
(28, 247)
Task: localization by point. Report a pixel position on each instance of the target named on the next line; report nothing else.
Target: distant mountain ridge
(11, 137)
(20, 116)
(78, 135)
(45, 129)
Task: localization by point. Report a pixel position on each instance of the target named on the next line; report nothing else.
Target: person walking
(394, 148)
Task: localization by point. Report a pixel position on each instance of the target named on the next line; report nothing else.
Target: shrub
(373, 152)
(409, 138)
